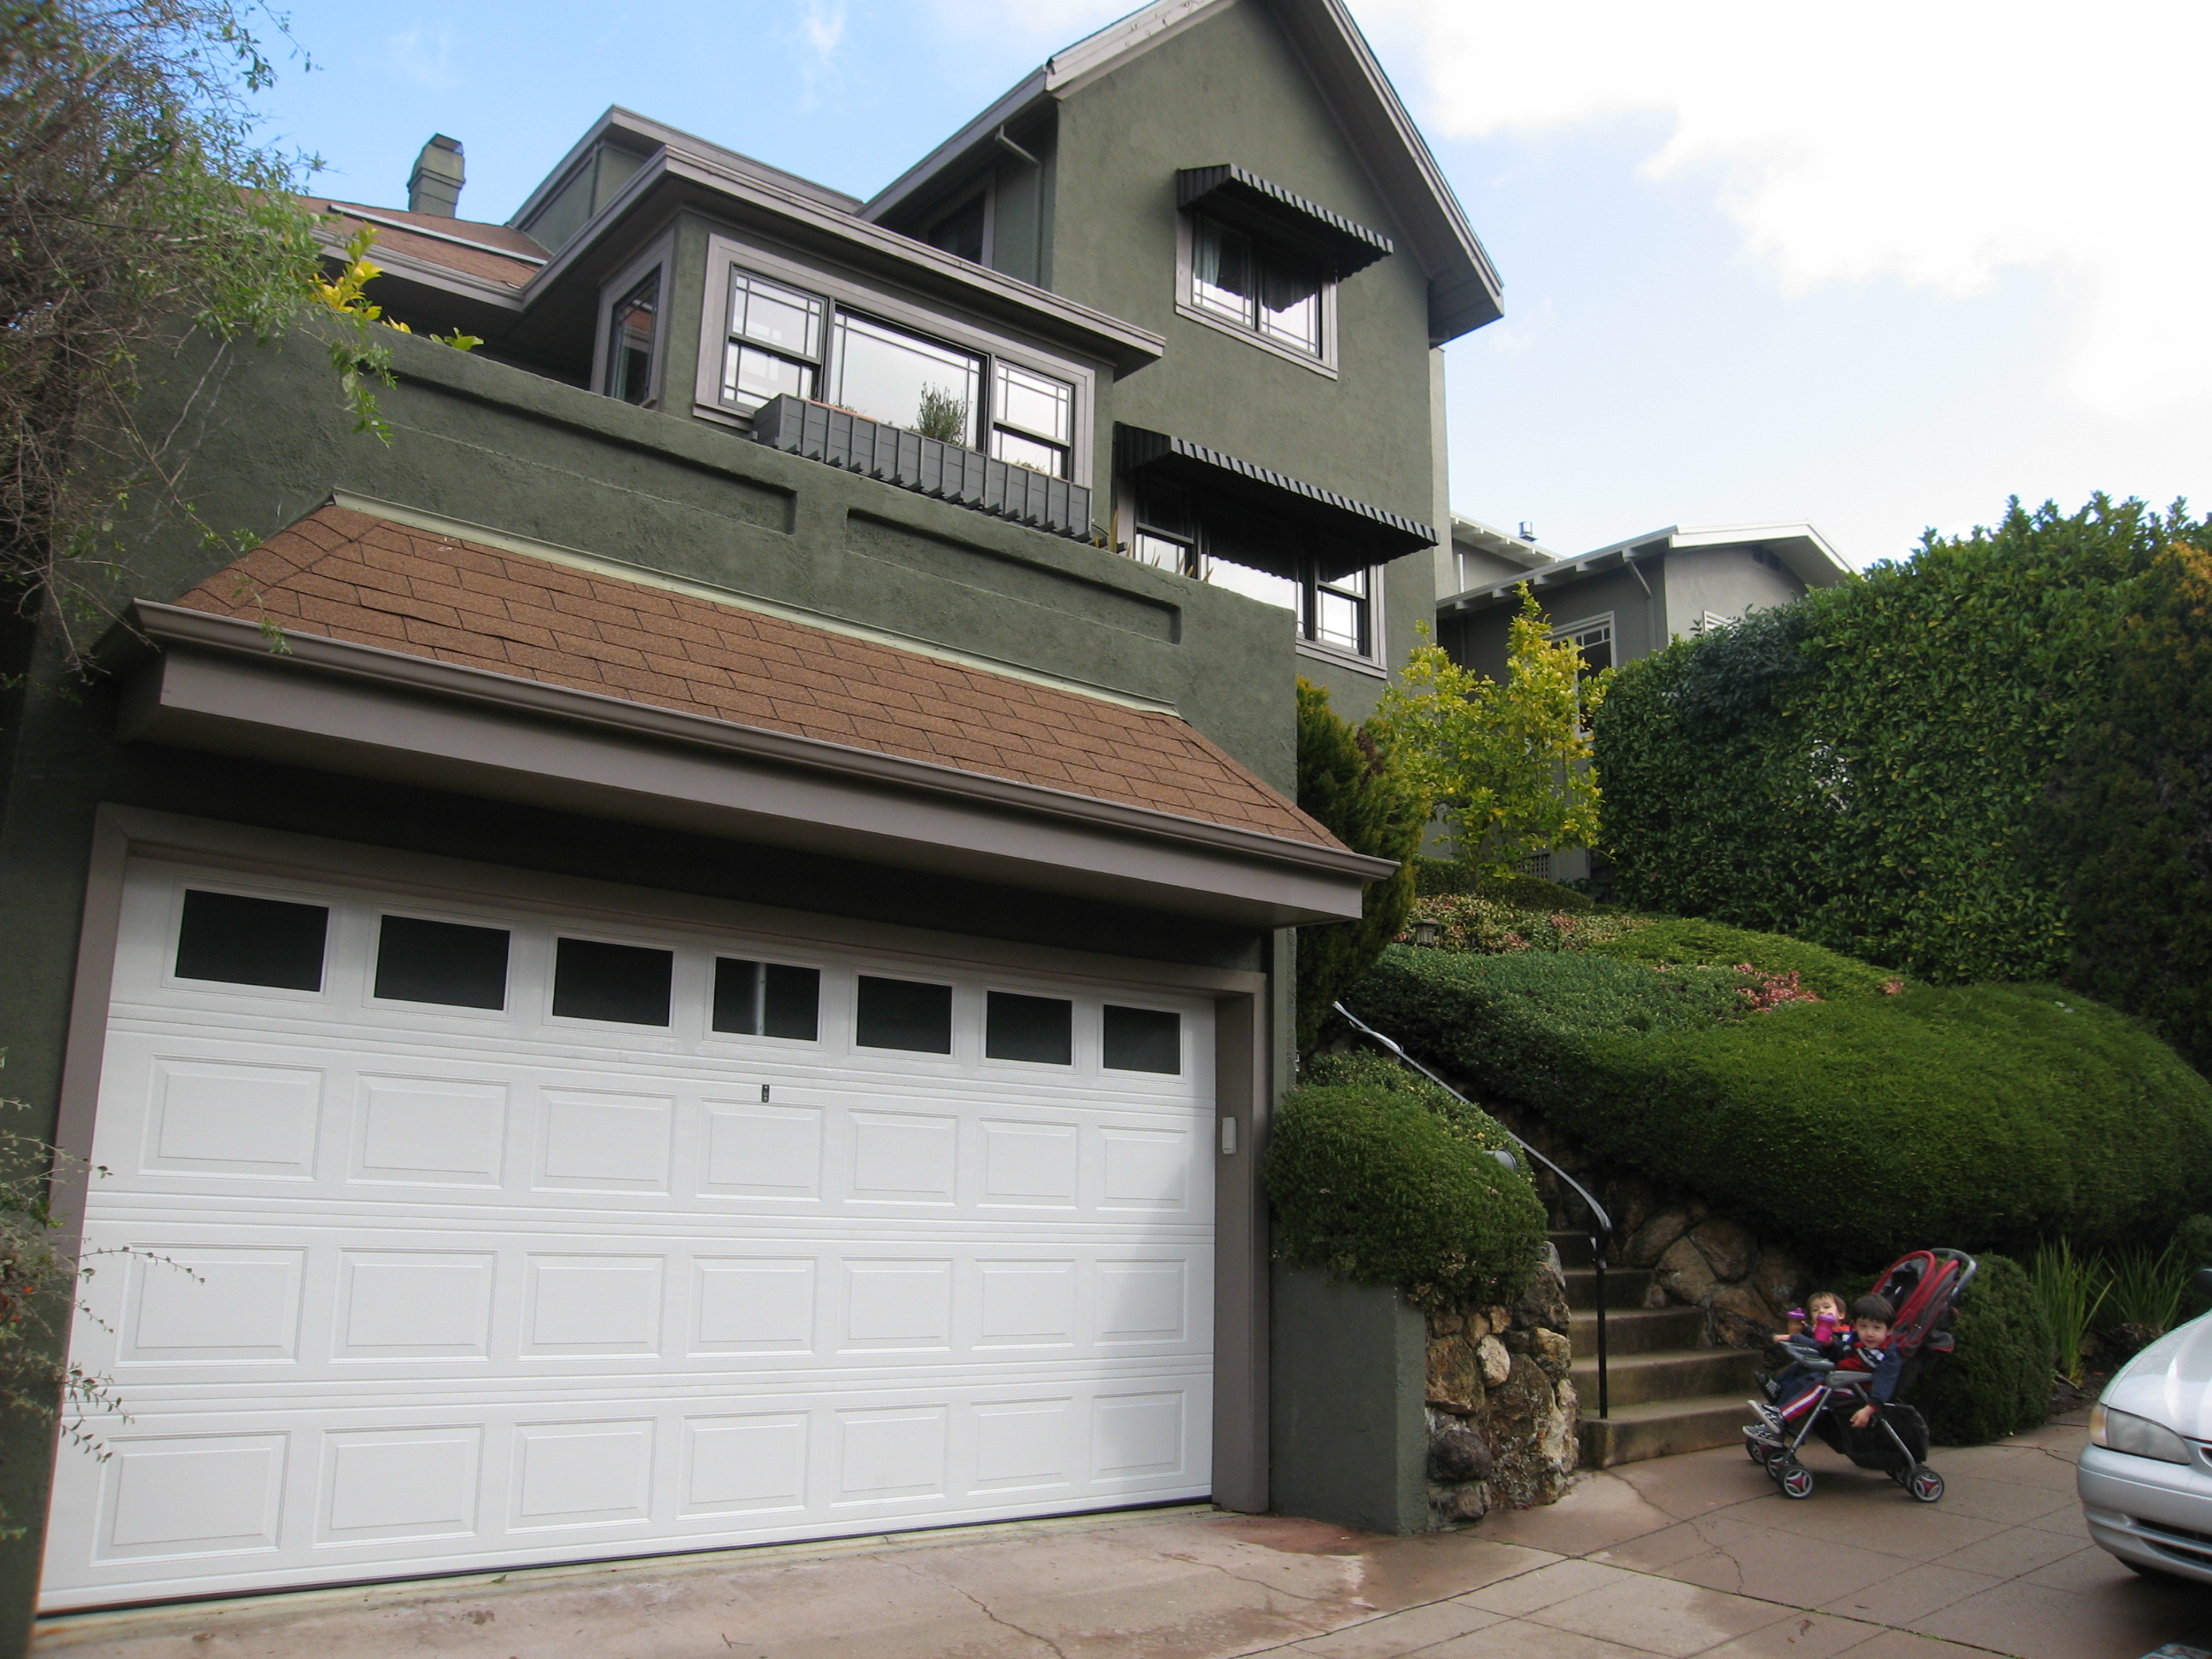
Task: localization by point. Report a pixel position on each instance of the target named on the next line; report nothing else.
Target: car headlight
(2124, 1431)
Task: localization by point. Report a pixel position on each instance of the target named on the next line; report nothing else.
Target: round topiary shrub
(1381, 1183)
(1999, 1381)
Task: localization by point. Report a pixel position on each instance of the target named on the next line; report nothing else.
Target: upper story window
(1174, 532)
(775, 343)
(963, 232)
(1245, 282)
(1593, 637)
(632, 330)
(904, 380)
(785, 340)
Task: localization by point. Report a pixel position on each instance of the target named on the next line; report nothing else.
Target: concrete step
(1638, 1379)
(1574, 1248)
(1662, 1428)
(1624, 1287)
(1636, 1330)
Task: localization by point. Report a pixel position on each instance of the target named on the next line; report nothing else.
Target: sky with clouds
(1877, 269)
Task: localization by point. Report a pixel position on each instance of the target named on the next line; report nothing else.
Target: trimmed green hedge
(1864, 767)
(1380, 1178)
(2130, 816)
(1999, 1381)
(1971, 1116)
(1688, 941)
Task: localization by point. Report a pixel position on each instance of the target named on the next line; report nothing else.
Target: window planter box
(929, 466)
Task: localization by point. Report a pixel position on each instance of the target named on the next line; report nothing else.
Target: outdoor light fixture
(1427, 933)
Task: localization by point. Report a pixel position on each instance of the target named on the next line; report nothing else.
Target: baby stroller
(1924, 1287)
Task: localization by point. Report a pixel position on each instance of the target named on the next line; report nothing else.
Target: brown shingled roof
(350, 576)
(433, 245)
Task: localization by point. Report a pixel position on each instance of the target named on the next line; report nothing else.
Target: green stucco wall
(1347, 1434)
(482, 443)
(1230, 89)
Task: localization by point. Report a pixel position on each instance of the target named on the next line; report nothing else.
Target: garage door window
(904, 1013)
(238, 940)
(621, 984)
(767, 998)
(1143, 1039)
(440, 962)
(1041, 1030)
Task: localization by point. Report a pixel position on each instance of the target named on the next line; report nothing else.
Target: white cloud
(1049, 24)
(823, 28)
(1937, 142)
(424, 54)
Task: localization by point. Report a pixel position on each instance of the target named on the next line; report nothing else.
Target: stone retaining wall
(1744, 1283)
(1502, 1412)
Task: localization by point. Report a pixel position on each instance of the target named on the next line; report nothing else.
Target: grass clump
(1379, 1178)
(2071, 1288)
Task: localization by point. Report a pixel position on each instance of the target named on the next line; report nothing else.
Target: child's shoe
(1760, 1435)
(1769, 1418)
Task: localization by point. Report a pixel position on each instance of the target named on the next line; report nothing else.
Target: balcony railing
(929, 466)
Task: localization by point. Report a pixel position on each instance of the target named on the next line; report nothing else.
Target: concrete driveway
(1693, 1555)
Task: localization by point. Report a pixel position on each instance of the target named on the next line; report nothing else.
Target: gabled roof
(1803, 551)
(1464, 292)
(348, 576)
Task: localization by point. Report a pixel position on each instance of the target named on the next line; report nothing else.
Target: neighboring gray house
(1628, 599)
(1622, 601)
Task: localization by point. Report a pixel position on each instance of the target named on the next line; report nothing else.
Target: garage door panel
(360, 1301)
(493, 1129)
(207, 1505)
(396, 1287)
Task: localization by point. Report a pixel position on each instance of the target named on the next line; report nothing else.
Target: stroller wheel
(1793, 1477)
(1757, 1450)
(1924, 1485)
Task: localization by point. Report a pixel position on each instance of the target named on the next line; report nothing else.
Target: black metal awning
(1251, 203)
(1368, 535)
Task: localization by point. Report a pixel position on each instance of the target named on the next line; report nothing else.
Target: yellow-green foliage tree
(1507, 761)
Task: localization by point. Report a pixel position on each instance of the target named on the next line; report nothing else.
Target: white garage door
(461, 1237)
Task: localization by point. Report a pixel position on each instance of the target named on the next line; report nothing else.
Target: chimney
(434, 186)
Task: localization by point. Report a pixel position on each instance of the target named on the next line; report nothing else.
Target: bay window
(783, 339)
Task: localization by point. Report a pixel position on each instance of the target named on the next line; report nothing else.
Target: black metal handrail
(1597, 1210)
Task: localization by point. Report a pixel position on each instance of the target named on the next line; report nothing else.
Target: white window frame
(1574, 630)
(659, 259)
(1186, 307)
(843, 289)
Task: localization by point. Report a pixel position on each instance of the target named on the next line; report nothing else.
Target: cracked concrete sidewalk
(1694, 1555)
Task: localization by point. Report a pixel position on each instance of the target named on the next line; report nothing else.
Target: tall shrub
(1864, 768)
(135, 199)
(1352, 783)
(1507, 761)
(2131, 825)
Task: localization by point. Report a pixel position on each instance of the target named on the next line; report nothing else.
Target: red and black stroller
(1924, 1287)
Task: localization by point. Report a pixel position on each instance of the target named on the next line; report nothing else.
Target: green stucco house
(695, 950)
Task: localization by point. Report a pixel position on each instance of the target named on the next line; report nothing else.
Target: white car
(2146, 1475)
